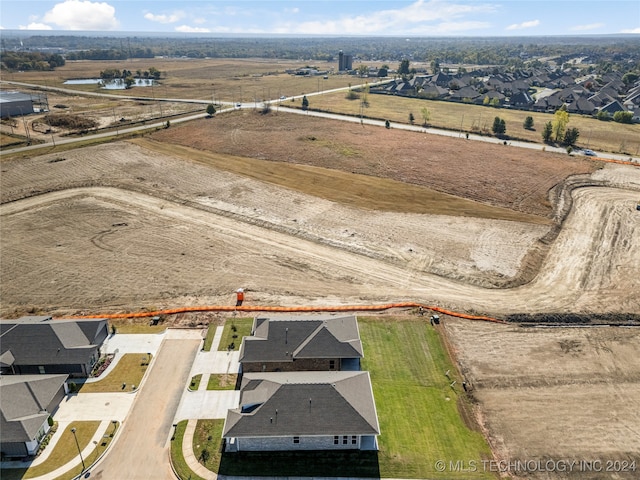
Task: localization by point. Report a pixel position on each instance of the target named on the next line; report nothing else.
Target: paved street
(142, 449)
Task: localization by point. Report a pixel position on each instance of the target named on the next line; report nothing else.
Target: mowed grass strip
(242, 329)
(360, 191)
(64, 451)
(417, 408)
(128, 372)
(225, 381)
(177, 459)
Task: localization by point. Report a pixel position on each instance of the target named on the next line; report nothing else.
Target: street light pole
(73, 430)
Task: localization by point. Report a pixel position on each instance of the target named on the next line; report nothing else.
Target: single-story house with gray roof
(302, 343)
(41, 345)
(303, 411)
(27, 403)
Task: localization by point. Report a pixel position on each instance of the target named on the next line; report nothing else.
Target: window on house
(354, 440)
(345, 440)
(296, 439)
(332, 364)
(41, 369)
(336, 440)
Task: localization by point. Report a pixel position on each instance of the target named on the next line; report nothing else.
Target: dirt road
(142, 449)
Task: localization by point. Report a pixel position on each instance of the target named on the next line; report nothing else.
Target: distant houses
(302, 388)
(540, 89)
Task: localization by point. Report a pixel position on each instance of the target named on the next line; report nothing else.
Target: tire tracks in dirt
(558, 287)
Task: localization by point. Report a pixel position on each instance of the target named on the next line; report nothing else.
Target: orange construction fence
(280, 309)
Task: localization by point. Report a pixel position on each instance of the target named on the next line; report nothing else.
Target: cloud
(591, 26)
(292, 10)
(631, 30)
(520, 26)
(173, 18)
(82, 15)
(188, 29)
(36, 26)
(421, 17)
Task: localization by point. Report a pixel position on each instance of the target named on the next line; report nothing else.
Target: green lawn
(222, 382)
(418, 411)
(64, 451)
(195, 382)
(242, 329)
(211, 331)
(129, 371)
(177, 459)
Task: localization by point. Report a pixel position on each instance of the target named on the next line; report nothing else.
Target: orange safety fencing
(621, 162)
(280, 309)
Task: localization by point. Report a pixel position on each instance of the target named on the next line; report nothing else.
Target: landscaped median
(423, 410)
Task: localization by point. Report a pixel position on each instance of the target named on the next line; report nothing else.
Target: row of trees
(113, 73)
(29, 61)
(615, 53)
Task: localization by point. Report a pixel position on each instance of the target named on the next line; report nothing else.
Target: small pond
(115, 84)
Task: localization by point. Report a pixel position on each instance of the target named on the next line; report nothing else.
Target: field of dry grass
(385, 169)
(252, 80)
(594, 134)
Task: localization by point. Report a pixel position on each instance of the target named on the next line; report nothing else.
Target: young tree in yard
(411, 118)
(571, 136)
(560, 120)
(499, 127)
(211, 110)
(426, 115)
(528, 123)
(305, 103)
(547, 132)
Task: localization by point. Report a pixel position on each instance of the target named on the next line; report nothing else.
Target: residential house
(521, 100)
(303, 411)
(582, 106)
(294, 343)
(27, 403)
(613, 107)
(41, 345)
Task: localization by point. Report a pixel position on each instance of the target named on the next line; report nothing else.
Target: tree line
(29, 61)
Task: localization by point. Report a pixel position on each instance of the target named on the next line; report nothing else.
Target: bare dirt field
(551, 396)
(126, 226)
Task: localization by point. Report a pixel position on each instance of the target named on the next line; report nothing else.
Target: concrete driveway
(141, 451)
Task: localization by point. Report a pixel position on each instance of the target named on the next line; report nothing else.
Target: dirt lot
(122, 226)
(555, 395)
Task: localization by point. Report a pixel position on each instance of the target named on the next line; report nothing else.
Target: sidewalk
(204, 403)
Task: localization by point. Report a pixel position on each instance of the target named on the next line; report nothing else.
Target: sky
(328, 17)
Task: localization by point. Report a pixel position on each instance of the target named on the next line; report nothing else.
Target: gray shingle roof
(299, 403)
(43, 341)
(286, 339)
(24, 400)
